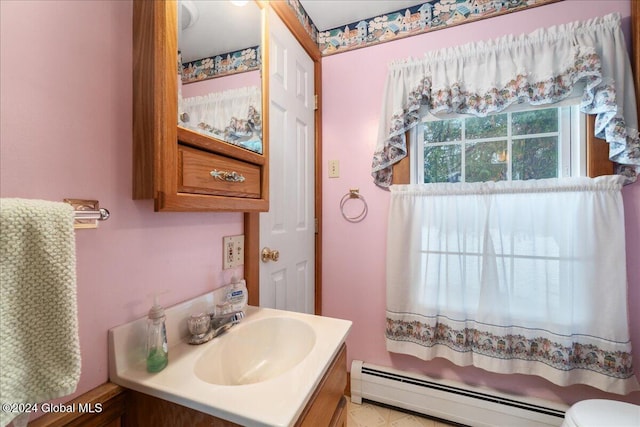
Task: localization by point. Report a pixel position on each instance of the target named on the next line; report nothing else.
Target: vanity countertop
(278, 401)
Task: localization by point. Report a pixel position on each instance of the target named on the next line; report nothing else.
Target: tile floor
(369, 415)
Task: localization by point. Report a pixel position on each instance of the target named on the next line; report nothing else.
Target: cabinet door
(327, 405)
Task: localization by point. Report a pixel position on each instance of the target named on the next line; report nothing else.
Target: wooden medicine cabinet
(182, 165)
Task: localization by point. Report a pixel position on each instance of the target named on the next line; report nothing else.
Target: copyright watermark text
(19, 408)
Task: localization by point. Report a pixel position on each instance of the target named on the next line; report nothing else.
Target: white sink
(256, 351)
(260, 373)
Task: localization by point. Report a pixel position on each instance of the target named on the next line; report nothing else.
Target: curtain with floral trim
(524, 277)
(233, 115)
(582, 60)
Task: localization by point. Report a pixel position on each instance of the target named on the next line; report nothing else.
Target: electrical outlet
(232, 251)
(334, 168)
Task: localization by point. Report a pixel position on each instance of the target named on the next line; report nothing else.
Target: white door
(289, 226)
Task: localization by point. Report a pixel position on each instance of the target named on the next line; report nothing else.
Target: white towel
(39, 344)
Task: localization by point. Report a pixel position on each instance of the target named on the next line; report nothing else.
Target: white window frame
(572, 156)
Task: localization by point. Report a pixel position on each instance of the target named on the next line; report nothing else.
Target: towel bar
(101, 214)
(87, 213)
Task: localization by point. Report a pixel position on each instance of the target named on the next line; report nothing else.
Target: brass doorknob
(270, 255)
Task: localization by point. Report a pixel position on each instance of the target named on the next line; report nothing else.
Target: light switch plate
(232, 251)
(334, 168)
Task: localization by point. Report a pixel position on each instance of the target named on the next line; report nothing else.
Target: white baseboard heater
(449, 400)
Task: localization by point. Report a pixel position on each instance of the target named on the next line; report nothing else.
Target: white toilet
(602, 413)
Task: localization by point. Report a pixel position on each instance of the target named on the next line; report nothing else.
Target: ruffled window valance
(582, 60)
(234, 115)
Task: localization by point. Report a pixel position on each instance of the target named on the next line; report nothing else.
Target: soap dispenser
(157, 349)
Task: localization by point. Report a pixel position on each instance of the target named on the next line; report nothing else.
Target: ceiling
(209, 28)
(329, 14)
(212, 27)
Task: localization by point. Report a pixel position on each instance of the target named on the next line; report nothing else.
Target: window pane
(486, 161)
(536, 121)
(486, 127)
(442, 163)
(531, 151)
(443, 131)
(535, 158)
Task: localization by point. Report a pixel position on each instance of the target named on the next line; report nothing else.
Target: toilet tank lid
(601, 412)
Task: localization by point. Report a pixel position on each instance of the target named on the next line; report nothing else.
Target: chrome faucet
(205, 327)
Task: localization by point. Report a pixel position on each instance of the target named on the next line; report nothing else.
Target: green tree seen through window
(520, 145)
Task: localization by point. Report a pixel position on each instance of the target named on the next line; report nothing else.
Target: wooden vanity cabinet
(328, 405)
(169, 162)
(326, 408)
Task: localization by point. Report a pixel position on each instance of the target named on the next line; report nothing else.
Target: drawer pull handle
(226, 176)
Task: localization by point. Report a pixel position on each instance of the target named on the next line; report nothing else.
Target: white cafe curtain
(521, 277)
(584, 60)
(233, 115)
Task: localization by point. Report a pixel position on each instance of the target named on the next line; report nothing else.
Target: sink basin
(256, 351)
(261, 373)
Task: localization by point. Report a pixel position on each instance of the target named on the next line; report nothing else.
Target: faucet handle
(199, 324)
(216, 325)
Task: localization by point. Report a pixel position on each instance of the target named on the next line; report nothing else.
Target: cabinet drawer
(230, 177)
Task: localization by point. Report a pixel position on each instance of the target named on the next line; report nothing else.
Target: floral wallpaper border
(429, 16)
(239, 61)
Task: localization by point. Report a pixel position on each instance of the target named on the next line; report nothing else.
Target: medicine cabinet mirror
(200, 113)
(219, 83)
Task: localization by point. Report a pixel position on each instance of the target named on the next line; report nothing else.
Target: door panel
(288, 227)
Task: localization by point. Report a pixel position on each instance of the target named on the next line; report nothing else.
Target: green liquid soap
(157, 360)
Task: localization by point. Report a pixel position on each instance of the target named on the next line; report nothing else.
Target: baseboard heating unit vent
(448, 400)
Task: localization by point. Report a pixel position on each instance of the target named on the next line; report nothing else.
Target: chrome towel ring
(354, 193)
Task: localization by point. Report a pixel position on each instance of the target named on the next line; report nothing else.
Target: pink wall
(65, 85)
(354, 254)
(66, 100)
